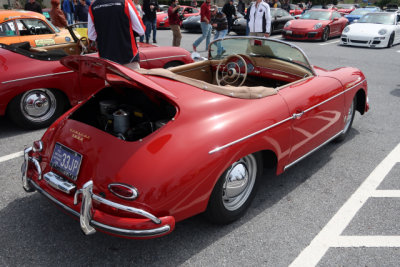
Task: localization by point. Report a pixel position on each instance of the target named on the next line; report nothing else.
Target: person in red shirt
(205, 17)
(175, 22)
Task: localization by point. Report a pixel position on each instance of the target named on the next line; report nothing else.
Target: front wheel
(391, 40)
(36, 108)
(235, 190)
(325, 35)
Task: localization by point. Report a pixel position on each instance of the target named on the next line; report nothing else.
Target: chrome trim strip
(126, 208)
(158, 58)
(248, 136)
(285, 120)
(332, 97)
(107, 228)
(133, 233)
(39, 76)
(311, 151)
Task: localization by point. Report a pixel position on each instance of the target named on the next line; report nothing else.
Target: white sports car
(379, 29)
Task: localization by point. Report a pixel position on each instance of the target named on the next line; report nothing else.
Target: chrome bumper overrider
(85, 214)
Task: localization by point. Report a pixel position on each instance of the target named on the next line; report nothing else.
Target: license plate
(66, 161)
(289, 32)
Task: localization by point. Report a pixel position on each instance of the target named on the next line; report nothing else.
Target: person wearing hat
(220, 24)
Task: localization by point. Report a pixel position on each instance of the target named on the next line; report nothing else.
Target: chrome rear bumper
(85, 215)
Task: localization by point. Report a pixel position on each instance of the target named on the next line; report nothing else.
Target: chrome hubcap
(239, 182)
(38, 105)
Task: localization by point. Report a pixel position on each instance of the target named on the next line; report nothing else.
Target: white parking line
(11, 156)
(332, 42)
(330, 235)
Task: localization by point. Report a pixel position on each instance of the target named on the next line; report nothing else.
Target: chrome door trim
(283, 121)
(39, 76)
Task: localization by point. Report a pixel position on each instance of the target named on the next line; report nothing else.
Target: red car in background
(295, 10)
(315, 24)
(346, 9)
(186, 11)
(35, 89)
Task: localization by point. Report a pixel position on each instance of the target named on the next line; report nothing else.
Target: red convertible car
(315, 24)
(35, 88)
(186, 11)
(153, 148)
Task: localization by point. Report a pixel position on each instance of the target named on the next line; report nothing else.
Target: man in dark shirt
(33, 6)
(175, 22)
(230, 11)
(150, 8)
(113, 24)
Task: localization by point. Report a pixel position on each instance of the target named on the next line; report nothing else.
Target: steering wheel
(83, 43)
(32, 30)
(233, 70)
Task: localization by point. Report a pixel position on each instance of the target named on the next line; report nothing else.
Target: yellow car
(26, 26)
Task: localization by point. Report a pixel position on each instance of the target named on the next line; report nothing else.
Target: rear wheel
(36, 108)
(391, 40)
(349, 121)
(235, 190)
(325, 34)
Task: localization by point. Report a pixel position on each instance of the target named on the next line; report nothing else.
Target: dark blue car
(359, 12)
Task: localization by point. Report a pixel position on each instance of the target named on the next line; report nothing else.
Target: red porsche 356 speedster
(35, 89)
(154, 148)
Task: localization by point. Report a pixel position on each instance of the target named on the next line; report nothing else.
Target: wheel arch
(361, 101)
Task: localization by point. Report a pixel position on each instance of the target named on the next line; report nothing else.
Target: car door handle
(297, 115)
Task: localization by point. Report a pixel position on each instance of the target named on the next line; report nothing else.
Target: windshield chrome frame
(269, 39)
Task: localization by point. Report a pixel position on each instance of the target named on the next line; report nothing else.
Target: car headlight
(317, 26)
(382, 32)
(287, 24)
(346, 29)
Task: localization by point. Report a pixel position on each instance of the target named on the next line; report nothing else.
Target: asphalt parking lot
(337, 207)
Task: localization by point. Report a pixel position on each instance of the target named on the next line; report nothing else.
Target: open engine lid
(111, 72)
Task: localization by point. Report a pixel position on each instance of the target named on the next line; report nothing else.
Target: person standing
(241, 7)
(220, 24)
(260, 19)
(175, 22)
(113, 25)
(205, 17)
(33, 6)
(230, 11)
(286, 5)
(277, 4)
(81, 11)
(68, 8)
(56, 15)
(150, 8)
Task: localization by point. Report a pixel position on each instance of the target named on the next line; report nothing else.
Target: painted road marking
(328, 43)
(330, 235)
(11, 156)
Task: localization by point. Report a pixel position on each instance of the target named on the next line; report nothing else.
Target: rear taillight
(37, 146)
(123, 191)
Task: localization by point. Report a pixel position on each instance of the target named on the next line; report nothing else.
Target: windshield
(317, 15)
(378, 18)
(258, 47)
(79, 30)
(360, 12)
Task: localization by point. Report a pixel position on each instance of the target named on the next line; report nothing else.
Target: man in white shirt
(260, 19)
